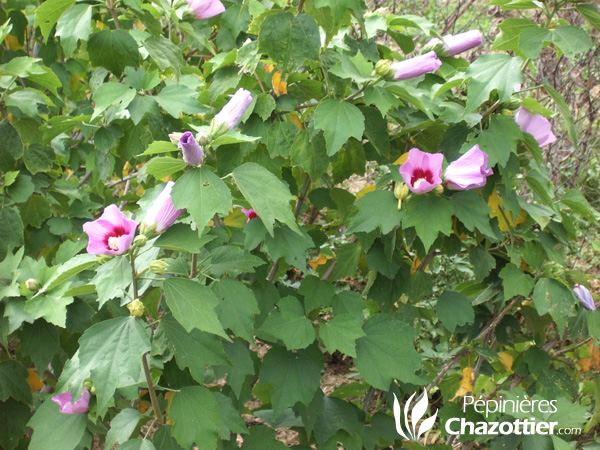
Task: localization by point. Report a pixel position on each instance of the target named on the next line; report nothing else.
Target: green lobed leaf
(387, 352)
(48, 13)
(164, 53)
(163, 166)
(294, 376)
(232, 260)
(341, 333)
(377, 209)
(38, 158)
(339, 121)
(203, 194)
(499, 140)
(109, 94)
(289, 245)
(112, 279)
(14, 416)
(195, 349)
(122, 427)
(160, 147)
(11, 228)
(551, 296)
(237, 307)
(289, 39)
(454, 309)
(289, 324)
(310, 154)
(178, 98)
(13, 382)
(267, 195)
(498, 72)
(113, 50)
(11, 146)
(430, 215)
(110, 353)
(590, 12)
(193, 305)
(195, 414)
(516, 282)
(473, 212)
(74, 25)
(571, 40)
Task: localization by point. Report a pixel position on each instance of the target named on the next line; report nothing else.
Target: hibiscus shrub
(185, 254)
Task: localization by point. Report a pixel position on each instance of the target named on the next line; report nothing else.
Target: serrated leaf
(109, 94)
(309, 154)
(289, 324)
(13, 382)
(290, 246)
(387, 352)
(454, 309)
(377, 209)
(112, 279)
(48, 13)
(269, 197)
(164, 53)
(160, 147)
(195, 414)
(74, 25)
(113, 50)
(163, 166)
(516, 282)
(289, 39)
(40, 342)
(339, 121)
(51, 306)
(590, 12)
(193, 350)
(473, 212)
(430, 215)
(237, 307)
(110, 353)
(499, 140)
(355, 68)
(233, 260)
(295, 377)
(35, 211)
(341, 333)
(498, 72)
(551, 296)
(177, 99)
(11, 228)
(203, 194)
(122, 427)
(193, 305)
(571, 40)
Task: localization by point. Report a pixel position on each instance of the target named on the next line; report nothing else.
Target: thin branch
(152, 391)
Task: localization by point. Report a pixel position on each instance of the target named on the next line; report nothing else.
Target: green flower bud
(553, 270)
(439, 189)
(382, 68)
(25, 291)
(32, 284)
(140, 240)
(513, 104)
(101, 259)
(158, 266)
(506, 112)
(88, 383)
(136, 308)
(401, 191)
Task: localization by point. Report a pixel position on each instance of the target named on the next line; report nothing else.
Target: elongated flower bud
(414, 67)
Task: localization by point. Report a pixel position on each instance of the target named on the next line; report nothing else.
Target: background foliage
(457, 292)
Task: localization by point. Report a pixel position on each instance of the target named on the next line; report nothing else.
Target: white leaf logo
(417, 413)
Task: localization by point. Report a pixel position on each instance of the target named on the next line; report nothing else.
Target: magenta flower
(205, 9)
(536, 125)
(81, 406)
(233, 111)
(469, 171)
(585, 297)
(422, 171)
(111, 234)
(162, 213)
(413, 67)
(458, 43)
(250, 214)
(192, 152)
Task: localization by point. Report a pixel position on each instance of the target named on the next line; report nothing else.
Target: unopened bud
(140, 240)
(401, 191)
(136, 308)
(101, 259)
(553, 269)
(513, 104)
(175, 137)
(506, 112)
(382, 68)
(158, 266)
(88, 383)
(439, 189)
(32, 284)
(434, 45)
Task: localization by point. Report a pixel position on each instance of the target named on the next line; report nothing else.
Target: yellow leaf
(364, 191)
(466, 384)
(295, 119)
(495, 202)
(506, 360)
(167, 178)
(100, 25)
(269, 67)
(279, 87)
(593, 362)
(169, 398)
(318, 261)
(35, 382)
(235, 219)
(401, 160)
(126, 169)
(12, 42)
